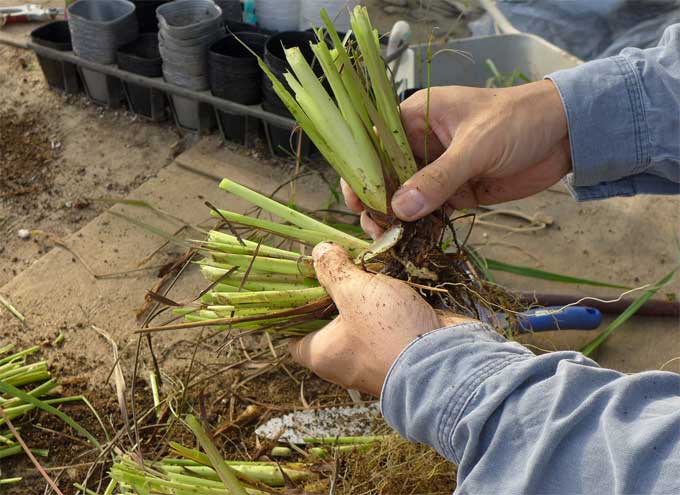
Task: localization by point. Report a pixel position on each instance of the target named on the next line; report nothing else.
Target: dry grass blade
(118, 377)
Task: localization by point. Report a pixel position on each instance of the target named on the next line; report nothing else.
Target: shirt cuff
(608, 132)
(432, 380)
(629, 186)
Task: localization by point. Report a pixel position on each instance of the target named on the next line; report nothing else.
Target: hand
(486, 146)
(379, 317)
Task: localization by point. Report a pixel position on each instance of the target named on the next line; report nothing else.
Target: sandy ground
(88, 153)
(96, 154)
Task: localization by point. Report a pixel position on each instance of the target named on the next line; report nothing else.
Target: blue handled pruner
(551, 318)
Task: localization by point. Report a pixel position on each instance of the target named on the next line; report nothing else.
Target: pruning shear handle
(559, 318)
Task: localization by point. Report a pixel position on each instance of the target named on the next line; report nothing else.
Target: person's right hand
(485, 146)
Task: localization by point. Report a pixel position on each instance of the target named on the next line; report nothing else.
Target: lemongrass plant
(357, 127)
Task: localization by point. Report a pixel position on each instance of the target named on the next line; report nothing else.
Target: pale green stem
(225, 473)
(295, 217)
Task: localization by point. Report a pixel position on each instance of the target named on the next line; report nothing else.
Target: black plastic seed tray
(256, 115)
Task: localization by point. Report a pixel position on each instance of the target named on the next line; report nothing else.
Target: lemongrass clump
(357, 127)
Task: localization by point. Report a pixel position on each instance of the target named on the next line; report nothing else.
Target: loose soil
(58, 153)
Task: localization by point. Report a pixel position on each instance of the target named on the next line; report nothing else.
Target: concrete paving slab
(629, 241)
(57, 293)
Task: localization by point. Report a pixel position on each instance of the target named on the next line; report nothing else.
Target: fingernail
(321, 249)
(408, 203)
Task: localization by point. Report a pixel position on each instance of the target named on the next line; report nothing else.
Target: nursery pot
(59, 75)
(187, 29)
(235, 75)
(146, 14)
(275, 59)
(231, 9)
(142, 57)
(99, 27)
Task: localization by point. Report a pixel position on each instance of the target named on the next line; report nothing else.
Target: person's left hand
(379, 317)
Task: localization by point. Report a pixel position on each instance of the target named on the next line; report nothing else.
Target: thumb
(432, 186)
(315, 349)
(337, 273)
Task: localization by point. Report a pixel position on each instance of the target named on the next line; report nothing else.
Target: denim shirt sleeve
(623, 114)
(518, 424)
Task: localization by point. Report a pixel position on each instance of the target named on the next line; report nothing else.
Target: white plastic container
(527, 53)
(278, 15)
(338, 10)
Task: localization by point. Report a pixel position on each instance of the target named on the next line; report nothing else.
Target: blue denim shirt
(521, 424)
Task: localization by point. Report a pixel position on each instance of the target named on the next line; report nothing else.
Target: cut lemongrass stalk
(225, 473)
(354, 157)
(383, 90)
(295, 217)
(346, 440)
(154, 393)
(261, 265)
(290, 297)
(281, 452)
(223, 238)
(18, 449)
(10, 481)
(19, 355)
(268, 474)
(291, 232)
(302, 266)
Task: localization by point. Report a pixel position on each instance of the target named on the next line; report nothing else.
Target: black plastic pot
(191, 115)
(146, 14)
(240, 27)
(234, 72)
(102, 89)
(142, 57)
(59, 75)
(236, 76)
(275, 58)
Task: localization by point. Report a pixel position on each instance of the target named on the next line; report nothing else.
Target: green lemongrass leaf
(10, 481)
(12, 310)
(19, 355)
(295, 217)
(303, 266)
(234, 279)
(526, 271)
(18, 449)
(480, 263)
(383, 90)
(289, 297)
(225, 473)
(5, 388)
(311, 237)
(301, 117)
(373, 121)
(359, 165)
(220, 239)
(269, 474)
(626, 315)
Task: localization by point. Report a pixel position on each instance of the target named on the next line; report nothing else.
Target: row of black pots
(234, 75)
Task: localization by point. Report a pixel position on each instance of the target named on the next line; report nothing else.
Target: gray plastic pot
(99, 27)
(188, 19)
